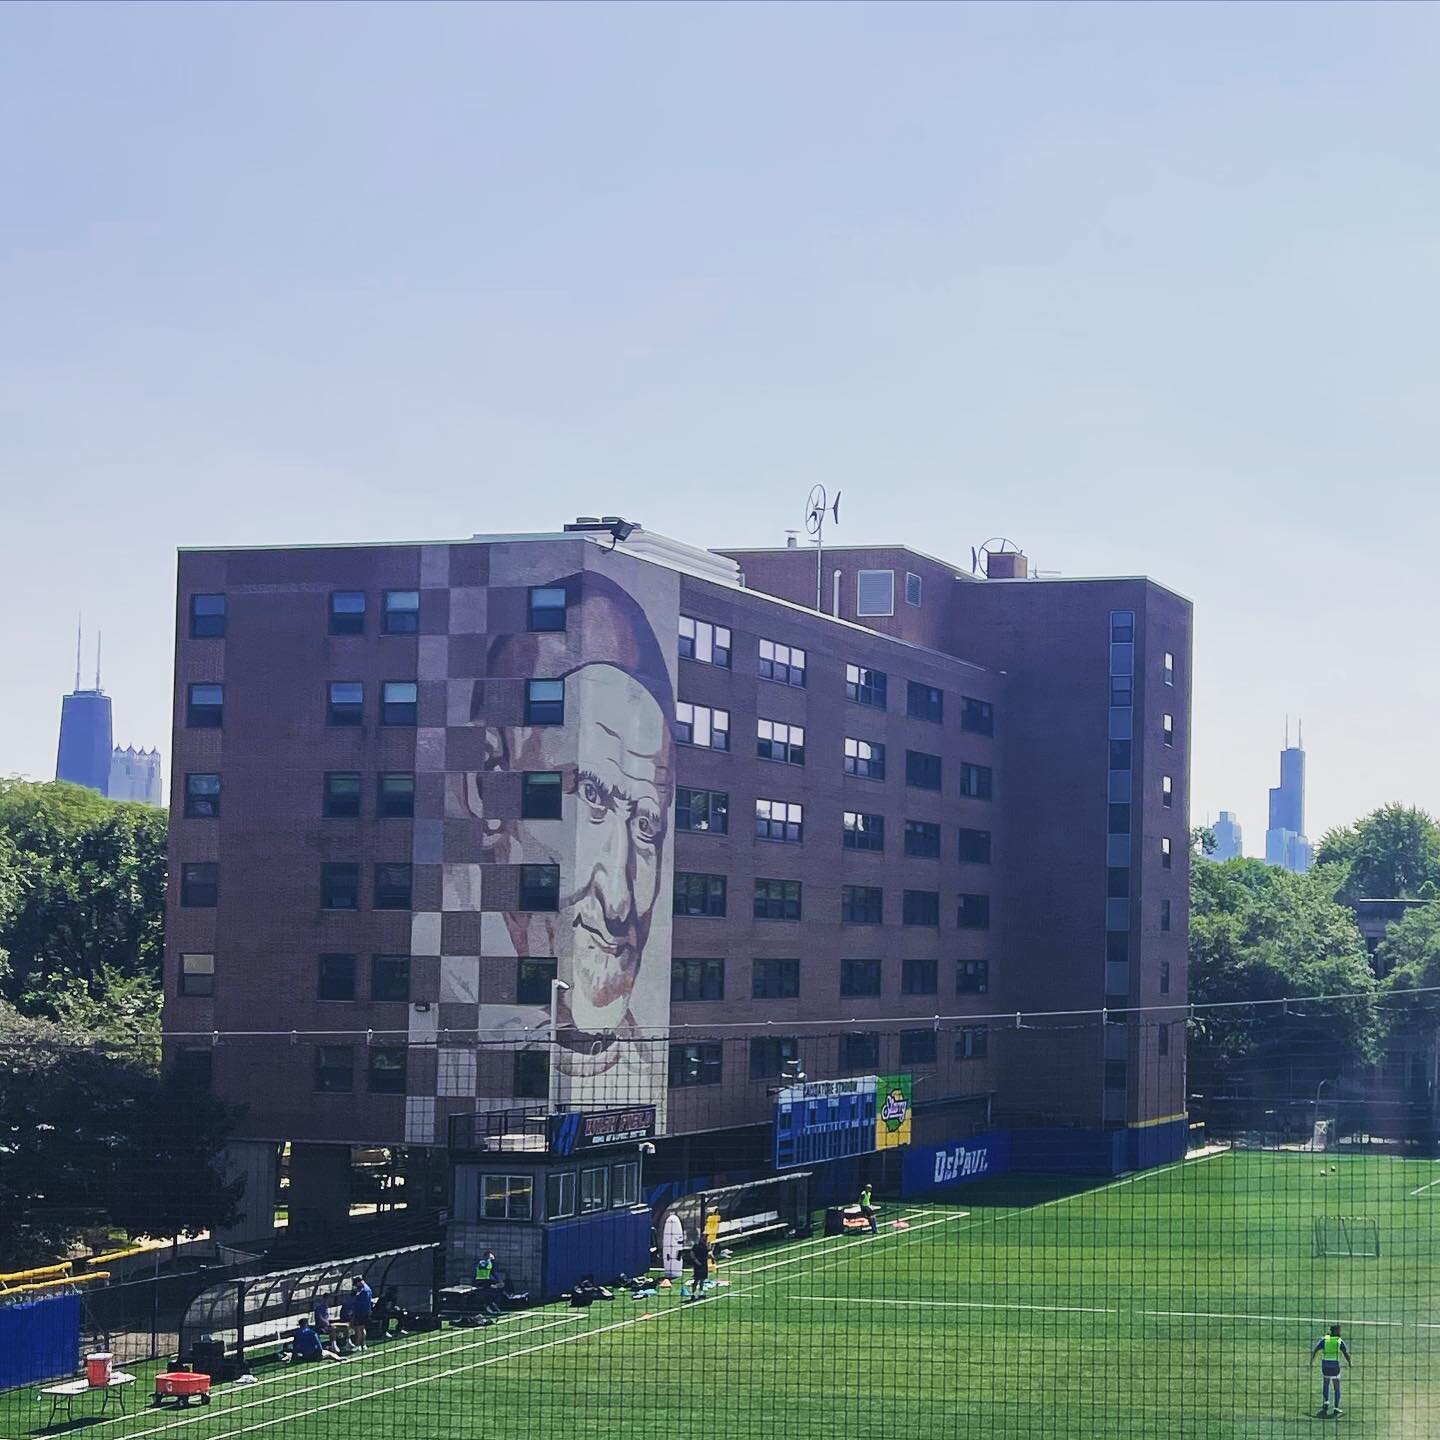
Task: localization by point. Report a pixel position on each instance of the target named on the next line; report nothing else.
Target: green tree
(1259, 933)
(82, 893)
(1391, 854)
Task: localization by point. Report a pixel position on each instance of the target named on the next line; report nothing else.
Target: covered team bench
(778, 1207)
(228, 1317)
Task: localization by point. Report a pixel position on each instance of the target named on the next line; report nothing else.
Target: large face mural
(609, 934)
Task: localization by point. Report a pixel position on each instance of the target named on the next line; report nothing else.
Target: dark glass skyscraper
(86, 734)
(1285, 842)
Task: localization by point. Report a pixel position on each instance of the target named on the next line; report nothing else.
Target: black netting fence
(1201, 1222)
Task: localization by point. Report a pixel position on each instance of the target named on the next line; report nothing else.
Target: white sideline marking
(1424, 1188)
(959, 1304)
(835, 1241)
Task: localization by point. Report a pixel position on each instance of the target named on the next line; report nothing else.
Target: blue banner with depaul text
(937, 1167)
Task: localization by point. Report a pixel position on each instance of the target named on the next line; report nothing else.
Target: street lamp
(556, 986)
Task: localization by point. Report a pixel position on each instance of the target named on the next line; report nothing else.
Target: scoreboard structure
(825, 1120)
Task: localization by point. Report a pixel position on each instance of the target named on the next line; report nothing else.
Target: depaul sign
(936, 1167)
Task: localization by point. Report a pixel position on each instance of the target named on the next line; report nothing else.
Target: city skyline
(1052, 281)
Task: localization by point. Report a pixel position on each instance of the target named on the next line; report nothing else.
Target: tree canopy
(1391, 854)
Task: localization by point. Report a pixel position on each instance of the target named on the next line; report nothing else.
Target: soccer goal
(1345, 1237)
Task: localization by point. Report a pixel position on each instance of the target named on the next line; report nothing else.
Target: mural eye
(590, 792)
(647, 826)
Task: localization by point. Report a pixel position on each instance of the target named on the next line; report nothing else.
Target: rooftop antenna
(1300, 736)
(99, 636)
(79, 624)
(1287, 732)
(816, 508)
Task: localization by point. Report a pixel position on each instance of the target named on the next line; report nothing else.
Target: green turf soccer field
(1178, 1302)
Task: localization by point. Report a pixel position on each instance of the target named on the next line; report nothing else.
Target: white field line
(956, 1304)
(1424, 1188)
(345, 1377)
(545, 1345)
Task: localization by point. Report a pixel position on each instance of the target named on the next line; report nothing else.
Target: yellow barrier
(115, 1255)
(60, 1284)
(41, 1272)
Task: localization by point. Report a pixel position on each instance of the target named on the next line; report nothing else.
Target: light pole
(556, 986)
(1315, 1129)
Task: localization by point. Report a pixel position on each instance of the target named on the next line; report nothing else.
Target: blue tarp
(39, 1340)
(607, 1244)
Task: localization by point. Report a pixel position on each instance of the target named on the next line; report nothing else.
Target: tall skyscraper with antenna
(86, 731)
(1285, 842)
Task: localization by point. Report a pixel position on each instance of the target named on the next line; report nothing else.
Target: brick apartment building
(414, 784)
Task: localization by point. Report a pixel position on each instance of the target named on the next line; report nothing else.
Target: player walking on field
(1331, 1349)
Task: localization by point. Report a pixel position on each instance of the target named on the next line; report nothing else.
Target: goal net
(1345, 1237)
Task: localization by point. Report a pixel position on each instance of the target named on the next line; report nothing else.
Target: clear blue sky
(1147, 288)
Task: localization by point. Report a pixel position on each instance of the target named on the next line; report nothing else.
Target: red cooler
(181, 1386)
(98, 1369)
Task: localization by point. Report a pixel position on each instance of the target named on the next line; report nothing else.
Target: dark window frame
(544, 709)
(972, 912)
(864, 767)
(686, 798)
(390, 803)
(713, 898)
(542, 795)
(976, 853)
(777, 899)
(337, 977)
(861, 977)
(540, 615)
(924, 702)
(977, 782)
(196, 984)
(202, 802)
(399, 712)
(538, 889)
(977, 717)
(387, 991)
(335, 805)
(867, 686)
(204, 714)
(388, 893)
(399, 619)
(696, 1063)
(208, 624)
(922, 839)
(534, 988)
(862, 905)
(919, 975)
(697, 980)
(344, 713)
(200, 891)
(335, 1062)
(920, 908)
(924, 771)
(779, 980)
(332, 874)
(867, 836)
(347, 621)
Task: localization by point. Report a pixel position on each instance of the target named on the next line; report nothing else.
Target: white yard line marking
(1272, 1319)
(832, 1242)
(957, 1304)
(1424, 1188)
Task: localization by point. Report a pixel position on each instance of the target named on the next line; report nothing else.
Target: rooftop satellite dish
(995, 545)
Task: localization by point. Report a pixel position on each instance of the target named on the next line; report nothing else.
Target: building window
(530, 1075)
(200, 885)
(1121, 754)
(702, 895)
(401, 612)
(862, 905)
(346, 703)
(392, 887)
(974, 846)
(702, 641)
(922, 839)
(399, 702)
(1122, 660)
(1164, 914)
(692, 1065)
(335, 1069)
(339, 886)
(919, 975)
(1167, 792)
(912, 589)
(977, 716)
(1169, 668)
(785, 663)
(207, 617)
(775, 980)
(917, 1047)
(976, 781)
(387, 1070)
(1165, 856)
(777, 899)
(973, 912)
(336, 978)
(922, 770)
(704, 812)
(972, 977)
(865, 686)
(860, 1052)
(863, 832)
(1167, 729)
(544, 702)
(865, 758)
(921, 907)
(389, 978)
(1117, 948)
(777, 741)
(768, 1055)
(560, 1195)
(540, 795)
(779, 820)
(194, 1068)
(539, 887)
(1117, 882)
(1122, 690)
(924, 702)
(875, 592)
(859, 977)
(697, 979)
(202, 797)
(205, 707)
(197, 975)
(395, 795)
(532, 981)
(701, 725)
(347, 612)
(342, 795)
(547, 607)
(507, 1197)
(1164, 977)
(625, 1187)
(1163, 1034)
(1122, 627)
(972, 1043)
(1118, 822)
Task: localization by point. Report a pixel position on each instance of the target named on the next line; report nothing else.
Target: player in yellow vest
(1330, 1348)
